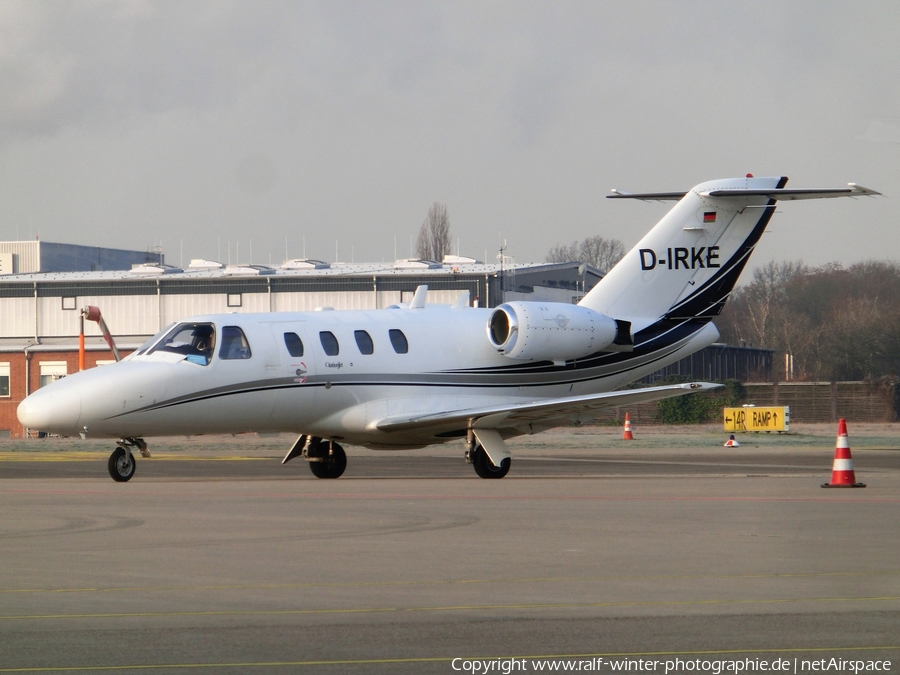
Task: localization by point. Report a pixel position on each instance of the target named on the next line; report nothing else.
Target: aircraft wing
(540, 411)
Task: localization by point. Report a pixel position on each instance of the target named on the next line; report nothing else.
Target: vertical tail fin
(688, 264)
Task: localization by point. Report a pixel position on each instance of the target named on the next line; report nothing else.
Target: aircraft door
(291, 357)
(293, 371)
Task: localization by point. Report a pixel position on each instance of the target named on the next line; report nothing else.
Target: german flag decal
(709, 217)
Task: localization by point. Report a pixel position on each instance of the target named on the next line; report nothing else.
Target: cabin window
(194, 341)
(329, 343)
(234, 344)
(364, 342)
(398, 340)
(294, 344)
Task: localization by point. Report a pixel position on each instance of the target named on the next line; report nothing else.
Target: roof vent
(153, 269)
(460, 260)
(201, 264)
(304, 264)
(416, 264)
(247, 270)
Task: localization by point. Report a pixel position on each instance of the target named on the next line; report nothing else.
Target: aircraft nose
(52, 409)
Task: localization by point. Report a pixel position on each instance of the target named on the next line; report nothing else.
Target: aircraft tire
(332, 465)
(485, 469)
(120, 468)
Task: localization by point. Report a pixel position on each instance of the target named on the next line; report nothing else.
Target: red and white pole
(81, 343)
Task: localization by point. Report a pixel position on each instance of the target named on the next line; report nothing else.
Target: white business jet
(411, 376)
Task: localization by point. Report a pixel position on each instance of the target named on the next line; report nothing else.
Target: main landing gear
(121, 462)
(326, 459)
(483, 465)
(493, 464)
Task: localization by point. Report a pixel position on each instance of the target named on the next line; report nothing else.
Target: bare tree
(561, 253)
(759, 299)
(836, 323)
(434, 235)
(601, 253)
(856, 344)
(596, 251)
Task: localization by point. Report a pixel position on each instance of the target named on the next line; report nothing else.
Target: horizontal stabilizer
(647, 196)
(784, 194)
(789, 194)
(504, 416)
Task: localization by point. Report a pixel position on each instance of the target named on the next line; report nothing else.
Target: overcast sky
(209, 127)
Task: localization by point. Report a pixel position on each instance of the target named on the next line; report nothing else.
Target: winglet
(863, 191)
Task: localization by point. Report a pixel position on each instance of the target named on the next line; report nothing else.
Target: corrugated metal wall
(177, 307)
(124, 314)
(147, 314)
(27, 255)
(17, 317)
(306, 302)
(718, 363)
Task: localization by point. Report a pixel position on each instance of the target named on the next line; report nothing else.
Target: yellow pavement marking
(445, 582)
(91, 456)
(449, 608)
(50, 456)
(449, 659)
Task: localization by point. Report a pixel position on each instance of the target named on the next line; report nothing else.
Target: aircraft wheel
(485, 469)
(332, 464)
(121, 465)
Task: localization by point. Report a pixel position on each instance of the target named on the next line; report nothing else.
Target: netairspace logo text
(674, 666)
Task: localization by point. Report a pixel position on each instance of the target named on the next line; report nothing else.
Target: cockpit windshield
(152, 341)
(196, 341)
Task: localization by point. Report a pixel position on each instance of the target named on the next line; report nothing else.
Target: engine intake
(554, 331)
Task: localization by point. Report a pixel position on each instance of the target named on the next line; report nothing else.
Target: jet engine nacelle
(554, 331)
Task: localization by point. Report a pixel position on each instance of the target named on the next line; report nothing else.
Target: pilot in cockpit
(203, 342)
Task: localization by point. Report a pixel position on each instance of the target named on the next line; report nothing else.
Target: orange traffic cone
(627, 435)
(842, 474)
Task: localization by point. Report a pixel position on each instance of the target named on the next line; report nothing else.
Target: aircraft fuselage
(448, 363)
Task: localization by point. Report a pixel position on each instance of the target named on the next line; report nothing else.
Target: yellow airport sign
(753, 418)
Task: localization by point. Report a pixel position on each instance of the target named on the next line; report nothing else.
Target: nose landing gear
(121, 463)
